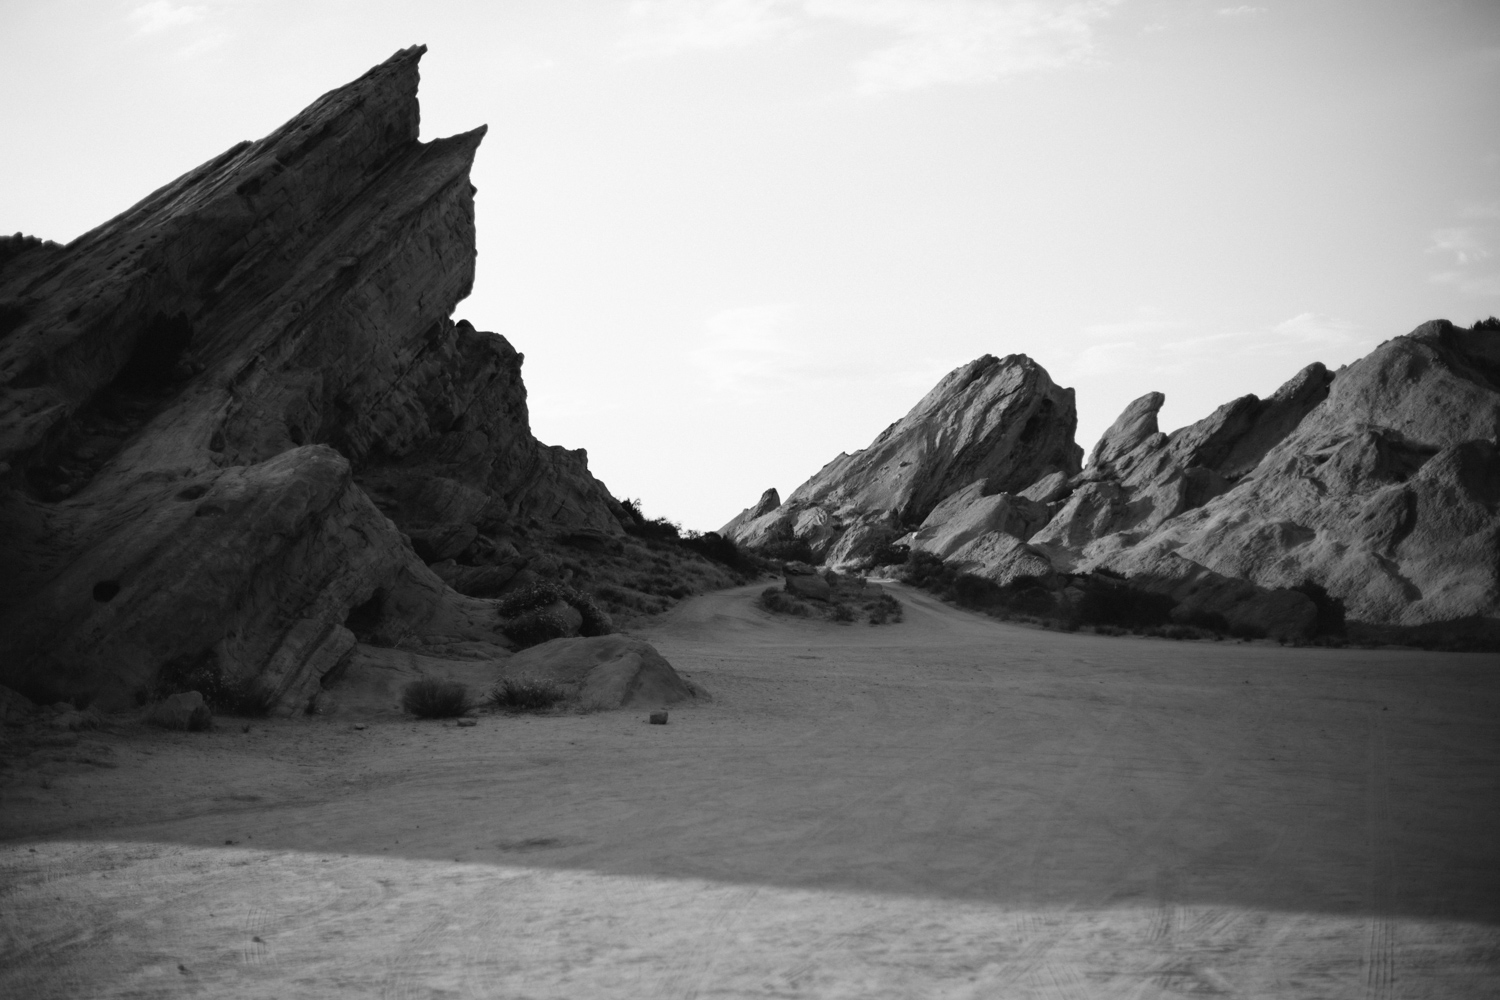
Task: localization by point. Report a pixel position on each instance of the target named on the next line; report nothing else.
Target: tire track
(1380, 941)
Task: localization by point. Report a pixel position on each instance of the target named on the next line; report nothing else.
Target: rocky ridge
(1374, 488)
(996, 423)
(239, 431)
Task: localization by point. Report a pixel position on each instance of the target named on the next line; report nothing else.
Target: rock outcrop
(1375, 489)
(605, 672)
(1386, 494)
(997, 422)
(237, 423)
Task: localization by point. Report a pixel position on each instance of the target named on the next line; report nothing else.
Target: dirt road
(948, 807)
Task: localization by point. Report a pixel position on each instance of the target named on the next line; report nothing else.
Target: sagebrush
(431, 698)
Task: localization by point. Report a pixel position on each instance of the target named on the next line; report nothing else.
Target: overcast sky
(736, 237)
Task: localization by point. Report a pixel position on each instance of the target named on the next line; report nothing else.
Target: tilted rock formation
(1380, 485)
(1001, 423)
(237, 423)
(1387, 494)
(769, 501)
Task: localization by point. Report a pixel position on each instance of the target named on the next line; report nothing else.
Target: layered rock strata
(1000, 423)
(1379, 485)
(237, 423)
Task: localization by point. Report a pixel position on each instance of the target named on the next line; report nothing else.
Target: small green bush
(1107, 602)
(535, 627)
(775, 600)
(526, 694)
(246, 697)
(430, 698)
(884, 609)
(841, 613)
(787, 550)
(531, 623)
(530, 597)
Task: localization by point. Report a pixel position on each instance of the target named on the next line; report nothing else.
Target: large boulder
(605, 672)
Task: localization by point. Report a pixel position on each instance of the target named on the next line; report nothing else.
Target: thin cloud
(668, 27)
(161, 15)
(766, 352)
(1463, 242)
(935, 42)
(1149, 345)
(1480, 286)
(1244, 10)
(966, 41)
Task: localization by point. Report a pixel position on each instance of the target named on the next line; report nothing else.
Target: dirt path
(948, 807)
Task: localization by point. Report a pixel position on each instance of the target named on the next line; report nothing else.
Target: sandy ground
(948, 807)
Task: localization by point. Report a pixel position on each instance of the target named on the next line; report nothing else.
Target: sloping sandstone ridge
(238, 427)
(1379, 484)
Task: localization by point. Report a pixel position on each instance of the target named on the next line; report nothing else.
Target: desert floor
(947, 807)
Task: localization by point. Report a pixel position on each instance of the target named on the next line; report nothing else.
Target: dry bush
(527, 694)
(430, 698)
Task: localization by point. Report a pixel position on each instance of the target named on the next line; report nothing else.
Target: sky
(734, 238)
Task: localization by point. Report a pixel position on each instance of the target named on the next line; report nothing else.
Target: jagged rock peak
(1136, 424)
(992, 425)
(240, 433)
(769, 501)
(1002, 420)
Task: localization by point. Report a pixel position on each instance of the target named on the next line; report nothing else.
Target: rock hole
(365, 619)
(192, 492)
(295, 433)
(105, 590)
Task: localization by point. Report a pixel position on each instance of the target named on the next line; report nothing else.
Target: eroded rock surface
(1375, 489)
(1001, 422)
(237, 423)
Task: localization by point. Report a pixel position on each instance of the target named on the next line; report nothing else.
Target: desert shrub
(658, 528)
(1245, 630)
(1210, 621)
(537, 626)
(531, 623)
(841, 613)
(712, 545)
(430, 698)
(610, 592)
(883, 609)
(788, 550)
(1106, 602)
(925, 570)
(202, 672)
(1110, 630)
(1025, 595)
(890, 555)
(526, 694)
(976, 592)
(775, 600)
(1178, 632)
(1330, 620)
(530, 597)
(595, 620)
